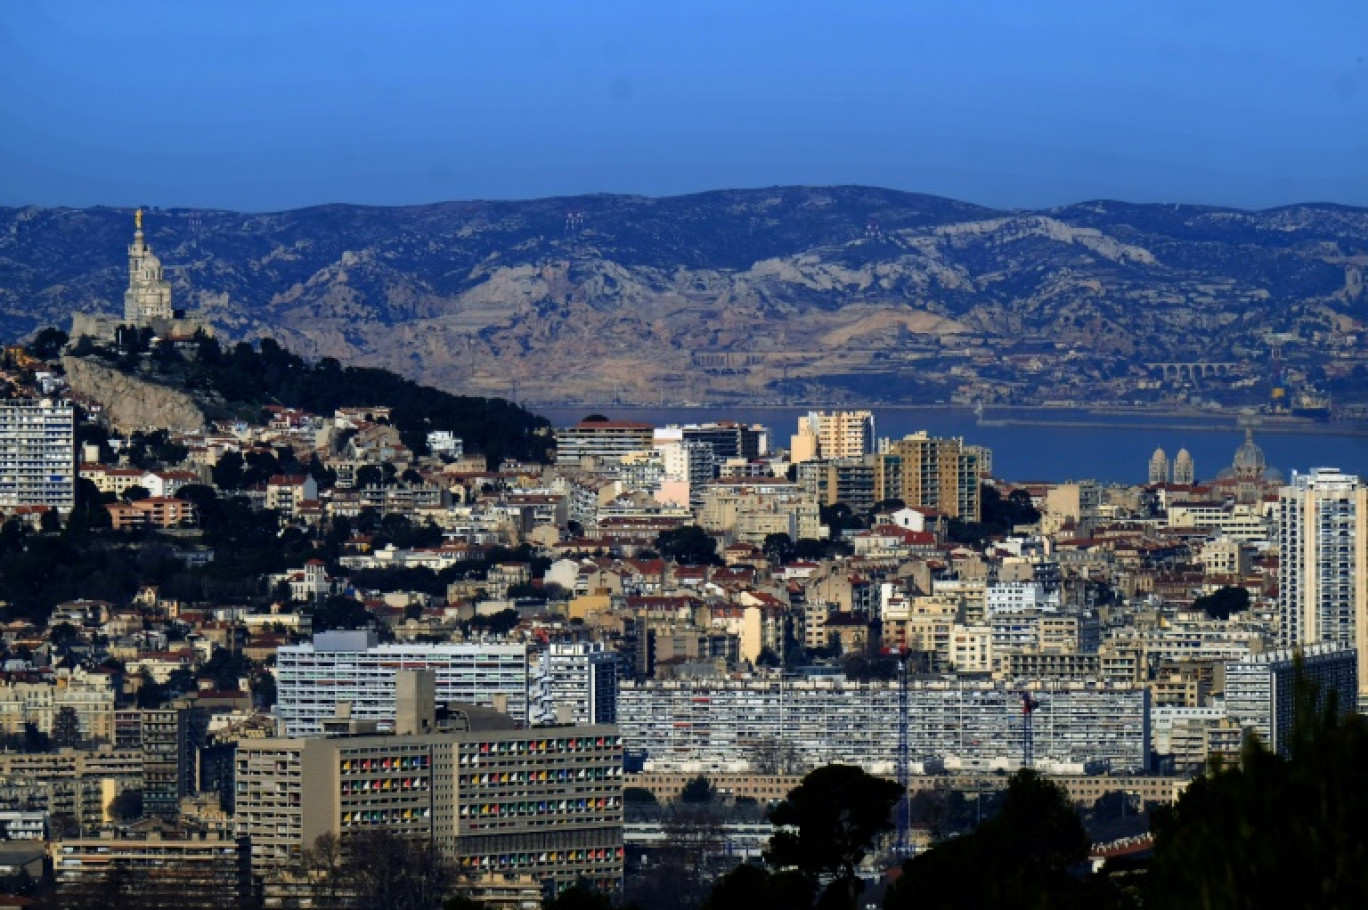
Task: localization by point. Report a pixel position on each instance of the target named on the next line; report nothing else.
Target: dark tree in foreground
(373, 869)
(826, 825)
(1274, 831)
(698, 790)
(1022, 858)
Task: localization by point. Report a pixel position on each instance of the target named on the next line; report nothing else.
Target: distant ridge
(734, 295)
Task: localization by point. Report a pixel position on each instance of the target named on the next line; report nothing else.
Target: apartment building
(838, 434)
(38, 453)
(1261, 692)
(203, 871)
(706, 725)
(607, 440)
(927, 472)
(545, 803)
(581, 683)
(313, 679)
(750, 509)
(1323, 564)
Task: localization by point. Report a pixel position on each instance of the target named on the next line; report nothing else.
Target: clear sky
(1021, 103)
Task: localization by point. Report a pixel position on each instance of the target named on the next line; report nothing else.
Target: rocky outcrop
(130, 403)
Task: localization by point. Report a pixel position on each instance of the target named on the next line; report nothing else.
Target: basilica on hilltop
(146, 303)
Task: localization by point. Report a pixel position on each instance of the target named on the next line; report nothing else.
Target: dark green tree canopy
(698, 790)
(1273, 831)
(1020, 858)
(828, 822)
(1222, 603)
(689, 545)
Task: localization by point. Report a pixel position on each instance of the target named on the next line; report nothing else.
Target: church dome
(1249, 459)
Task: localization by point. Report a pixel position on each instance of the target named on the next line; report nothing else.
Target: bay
(1056, 444)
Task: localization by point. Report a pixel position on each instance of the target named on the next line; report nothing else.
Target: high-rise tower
(1323, 564)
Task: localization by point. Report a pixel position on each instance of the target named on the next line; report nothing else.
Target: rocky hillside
(755, 293)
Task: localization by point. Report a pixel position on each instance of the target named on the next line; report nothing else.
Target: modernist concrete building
(1261, 692)
(706, 725)
(206, 871)
(312, 680)
(38, 454)
(545, 802)
(603, 439)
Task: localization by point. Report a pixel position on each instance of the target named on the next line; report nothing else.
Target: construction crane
(1028, 706)
(903, 847)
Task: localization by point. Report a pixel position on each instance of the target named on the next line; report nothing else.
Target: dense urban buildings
(292, 624)
(750, 725)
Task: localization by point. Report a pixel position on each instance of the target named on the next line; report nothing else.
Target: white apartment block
(1020, 597)
(38, 454)
(581, 683)
(1323, 564)
(1239, 521)
(715, 725)
(351, 667)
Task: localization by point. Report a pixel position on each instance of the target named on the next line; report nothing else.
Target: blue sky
(1028, 103)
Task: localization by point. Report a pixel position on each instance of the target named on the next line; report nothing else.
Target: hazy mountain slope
(717, 294)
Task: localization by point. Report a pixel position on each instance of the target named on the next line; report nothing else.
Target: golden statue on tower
(137, 219)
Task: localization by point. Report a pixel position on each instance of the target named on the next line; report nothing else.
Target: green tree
(1273, 831)
(135, 493)
(689, 545)
(66, 728)
(1220, 604)
(1021, 858)
(827, 823)
(698, 790)
(127, 805)
(638, 796)
(228, 471)
(778, 548)
(341, 612)
(580, 897)
(48, 343)
(749, 887)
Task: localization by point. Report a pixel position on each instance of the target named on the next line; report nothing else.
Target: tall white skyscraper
(38, 454)
(1323, 564)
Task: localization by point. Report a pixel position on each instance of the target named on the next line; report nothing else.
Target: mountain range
(759, 295)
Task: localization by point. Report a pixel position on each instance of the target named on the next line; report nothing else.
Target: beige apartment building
(926, 472)
(750, 509)
(38, 702)
(838, 434)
